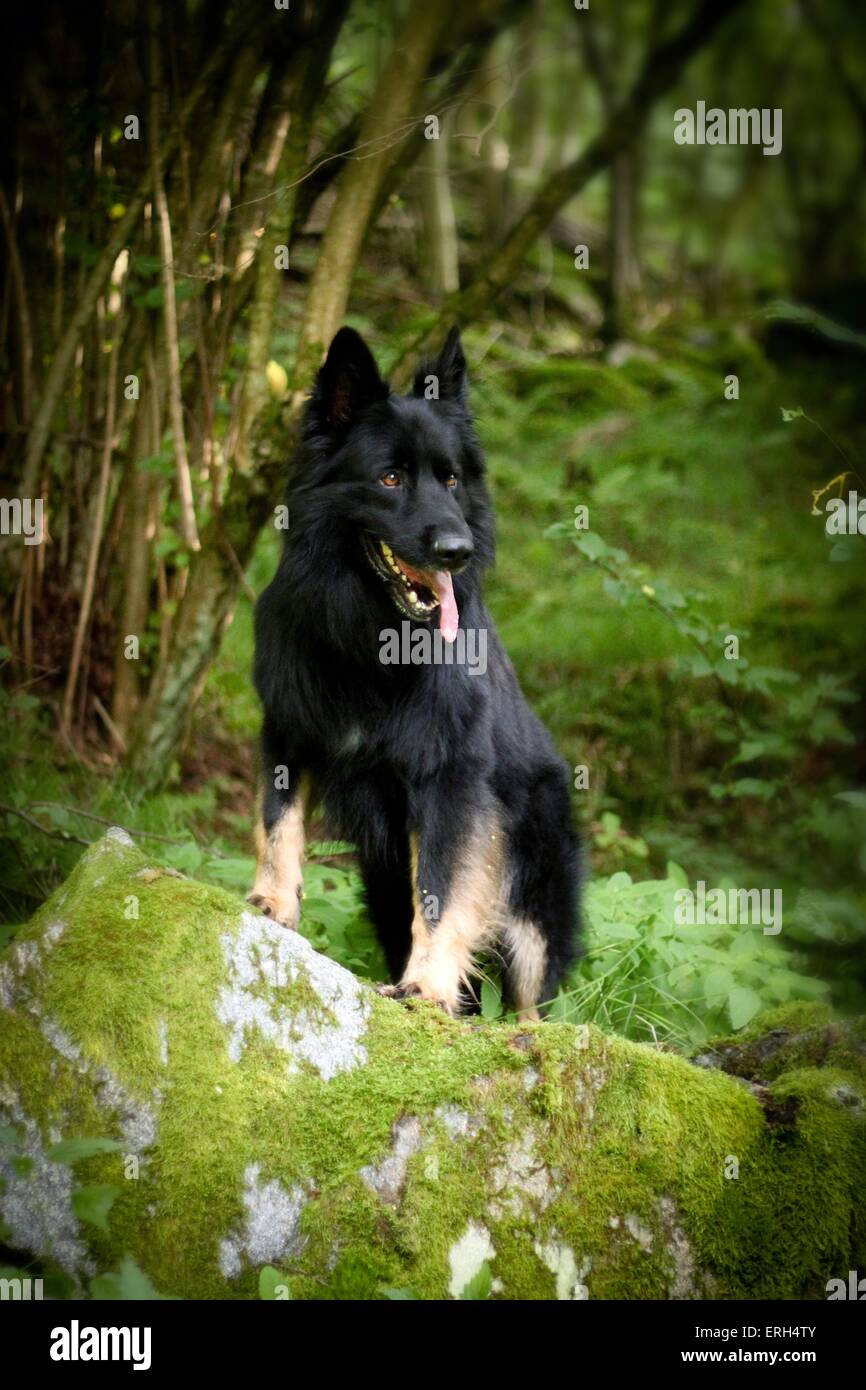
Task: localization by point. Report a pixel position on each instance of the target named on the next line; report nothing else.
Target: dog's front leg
(279, 841)
(456, 883)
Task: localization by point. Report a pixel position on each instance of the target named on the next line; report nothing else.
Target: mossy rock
(271, 1110)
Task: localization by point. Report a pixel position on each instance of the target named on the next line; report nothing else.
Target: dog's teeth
(413, 597)
(386, 550)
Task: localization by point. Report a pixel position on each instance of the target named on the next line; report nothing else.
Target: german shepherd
(436, 769)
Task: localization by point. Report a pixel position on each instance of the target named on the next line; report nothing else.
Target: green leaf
(620, 880)
(187, 857)
(617, 589)
(94, 1203)
(479, 1287)
(696, 664)
(753, 786)
(399, 1295)
(846, 549)
(73, 1150)
(767, 746)
(590, 544)
(491, 1000)
(743, 1004)
(273, 1285)
(675, 874)
(620, 931)
(151, 299)
(718, 984)
(129, 1284)
(237, 872)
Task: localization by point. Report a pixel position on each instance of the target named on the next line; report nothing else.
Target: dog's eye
(390, 478)
(451, 480)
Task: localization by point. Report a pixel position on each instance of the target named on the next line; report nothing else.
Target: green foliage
(649, 977)
(72, 1151)
(274, 1285)
(94, 1203)
(480, 1286)
(792, 715)
(128, 1283)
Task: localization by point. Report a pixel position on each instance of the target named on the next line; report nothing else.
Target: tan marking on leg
(525, 965)
(442, 957)
(279, 859)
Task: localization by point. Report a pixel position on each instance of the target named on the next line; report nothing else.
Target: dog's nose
(453, 550)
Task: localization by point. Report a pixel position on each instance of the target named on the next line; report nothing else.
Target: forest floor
(703, 510)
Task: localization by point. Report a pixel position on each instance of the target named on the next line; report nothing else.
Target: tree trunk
(439, 241)
(139, 529)
(271, 1112)
(388, 121)
(624, 277)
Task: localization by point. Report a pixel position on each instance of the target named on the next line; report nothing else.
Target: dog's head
(399, 478)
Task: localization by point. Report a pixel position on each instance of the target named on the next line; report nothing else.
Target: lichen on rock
(270, 1233)
(263, 961)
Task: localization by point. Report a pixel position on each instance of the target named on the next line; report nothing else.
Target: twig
(109, 724)
(96, 538)
(239, 569)
(189, 531)
(63, 835)
(17, 277)
(103, 820)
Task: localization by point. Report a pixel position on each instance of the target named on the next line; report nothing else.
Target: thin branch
(96, 537)
(63, 835)
(25, 345)
(188, 527)
(61, 362)
(102, 820)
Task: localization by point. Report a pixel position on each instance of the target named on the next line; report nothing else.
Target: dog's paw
(408, 989)
(286, 911)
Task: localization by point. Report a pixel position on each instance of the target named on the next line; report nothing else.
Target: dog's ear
(348, 381)
(445, 378)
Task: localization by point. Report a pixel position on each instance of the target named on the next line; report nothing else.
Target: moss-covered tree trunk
(270, 1110)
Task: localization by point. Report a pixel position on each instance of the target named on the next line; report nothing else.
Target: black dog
(433, 765)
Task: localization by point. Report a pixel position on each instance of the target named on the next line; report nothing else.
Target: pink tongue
(448, 615)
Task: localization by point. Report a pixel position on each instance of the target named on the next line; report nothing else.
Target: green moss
(795, 1017)
(792, 1037)
(581, 1158)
